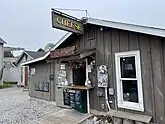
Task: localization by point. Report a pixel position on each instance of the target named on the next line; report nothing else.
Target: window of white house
(129, 82)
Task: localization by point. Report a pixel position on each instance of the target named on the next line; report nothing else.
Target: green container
(80, 101)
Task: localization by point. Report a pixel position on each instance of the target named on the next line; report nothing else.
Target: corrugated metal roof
(129, 27)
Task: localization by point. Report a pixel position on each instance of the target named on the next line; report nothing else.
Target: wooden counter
(78, 87)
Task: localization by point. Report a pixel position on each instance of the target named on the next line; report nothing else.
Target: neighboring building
(24, 70)
(10, 72)
(40, 84)
(2, 42)
(135, 60)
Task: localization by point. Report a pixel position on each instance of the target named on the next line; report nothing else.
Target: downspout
(106, 98)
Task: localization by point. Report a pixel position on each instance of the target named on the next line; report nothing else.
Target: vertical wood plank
(163, 55)
(133, 41)
(97, 103)
(115, 48)
(101, 60)
(146, 73)
(156, 54)
(82, 41)
(124, 43)
(108, 60)
(86, 42)
(100, 47)
(106, 46)
(93, 41)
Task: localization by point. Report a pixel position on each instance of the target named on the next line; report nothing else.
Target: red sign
(68, 51)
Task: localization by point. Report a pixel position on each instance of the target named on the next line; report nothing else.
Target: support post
(88, 103)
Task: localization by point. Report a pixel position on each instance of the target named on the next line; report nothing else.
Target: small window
(129, 83)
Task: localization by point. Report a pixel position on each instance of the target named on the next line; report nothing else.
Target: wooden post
(88, 103)
(137, 122)
(126, 121)
(117, 120)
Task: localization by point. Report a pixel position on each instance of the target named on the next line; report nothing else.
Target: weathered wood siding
(110, 41)
(152, 50)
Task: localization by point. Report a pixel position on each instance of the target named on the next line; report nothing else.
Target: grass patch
(10, 82)
(5, 85)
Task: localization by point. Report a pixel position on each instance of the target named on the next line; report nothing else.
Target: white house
(11, 72)
(1, 59)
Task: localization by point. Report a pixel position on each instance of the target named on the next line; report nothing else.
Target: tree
(40, 50)
(48, 47)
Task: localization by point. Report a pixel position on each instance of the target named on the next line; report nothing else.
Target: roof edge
(22, 55)
(67, 35)
(36, 60)
(129, 27)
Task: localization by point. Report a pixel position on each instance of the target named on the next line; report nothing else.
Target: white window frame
(125, 104)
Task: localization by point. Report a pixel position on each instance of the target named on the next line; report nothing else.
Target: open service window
(129, 82)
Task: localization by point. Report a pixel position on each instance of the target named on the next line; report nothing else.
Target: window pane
(130, 91)
(128, 69)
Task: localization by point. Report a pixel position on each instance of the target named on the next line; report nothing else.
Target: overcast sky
(27, 23)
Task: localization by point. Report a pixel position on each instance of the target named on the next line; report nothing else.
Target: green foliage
(48, 47)
(5, 85)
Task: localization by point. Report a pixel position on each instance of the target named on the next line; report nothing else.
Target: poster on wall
(102, 75)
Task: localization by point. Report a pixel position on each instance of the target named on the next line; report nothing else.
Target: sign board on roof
(66, 22)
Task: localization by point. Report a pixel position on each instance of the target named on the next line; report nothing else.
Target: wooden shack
(134, 56)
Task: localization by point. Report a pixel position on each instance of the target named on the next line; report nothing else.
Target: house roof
(34, 54)
(31, 54)
(2, 41)
(112, 24)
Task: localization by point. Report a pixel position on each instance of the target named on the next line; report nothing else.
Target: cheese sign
(67, 23)
(63, 52)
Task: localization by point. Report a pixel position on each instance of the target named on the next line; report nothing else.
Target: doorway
(26, 73)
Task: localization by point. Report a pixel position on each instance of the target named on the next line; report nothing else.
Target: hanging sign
(102, 76)
(65, 22)
(63, 52)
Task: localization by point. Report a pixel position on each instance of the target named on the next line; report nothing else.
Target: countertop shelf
(75, 87)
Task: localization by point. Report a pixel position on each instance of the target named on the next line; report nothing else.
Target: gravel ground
(17, 108)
